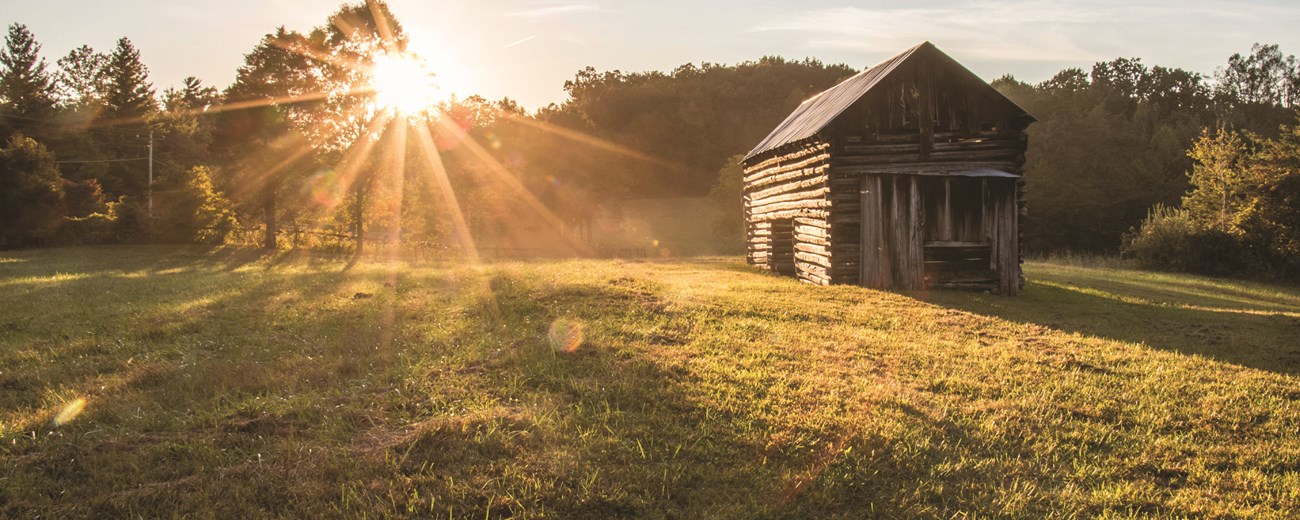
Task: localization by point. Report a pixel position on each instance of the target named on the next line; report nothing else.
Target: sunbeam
(463, 235)
(500, 174)
(594, 142)
(431, 154)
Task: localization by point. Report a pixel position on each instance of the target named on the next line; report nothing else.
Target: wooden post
(945, 222)
(871, 263)
(915, 237)
(925, 115)
(894, 237)
(1011, 255)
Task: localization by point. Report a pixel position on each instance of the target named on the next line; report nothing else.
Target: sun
(403, 83)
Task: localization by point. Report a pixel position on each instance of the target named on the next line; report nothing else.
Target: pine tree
(26, 90)
(122, 129)
(129, 95)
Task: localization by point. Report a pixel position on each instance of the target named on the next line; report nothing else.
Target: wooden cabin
(905, 176)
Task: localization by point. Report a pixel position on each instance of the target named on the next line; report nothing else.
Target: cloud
(520, 41)
(1028, 30)
(555, 10)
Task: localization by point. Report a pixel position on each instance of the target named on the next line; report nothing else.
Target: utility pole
(151, 174)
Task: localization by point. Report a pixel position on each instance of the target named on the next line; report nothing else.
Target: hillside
(161, 381)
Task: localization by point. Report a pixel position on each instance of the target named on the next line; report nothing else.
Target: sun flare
(403, 83)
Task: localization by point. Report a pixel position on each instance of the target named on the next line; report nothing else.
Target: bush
(1172, 239)
(96, 228)
(31, 193)
(82, 199)
(132, 220)
(726, 195)
(194, 211)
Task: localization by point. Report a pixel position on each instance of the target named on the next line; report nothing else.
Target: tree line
(285, 150)
(269, 152)
(1120, 146)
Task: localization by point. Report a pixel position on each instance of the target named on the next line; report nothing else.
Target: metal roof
(818, 111)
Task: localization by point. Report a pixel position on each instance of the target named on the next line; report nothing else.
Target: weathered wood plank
(811, 239)
(916, 236)
(926, 167)
(872, 271)
(812, 268)
(813, 278)
(954, 265)
(881, 148)
(813, 231)
(980, 144)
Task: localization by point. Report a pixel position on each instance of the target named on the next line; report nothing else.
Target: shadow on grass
(191, 373)
(1248, 325)
(324, 392)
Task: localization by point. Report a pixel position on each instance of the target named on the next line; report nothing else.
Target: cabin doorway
(782, 253)
(958, 252)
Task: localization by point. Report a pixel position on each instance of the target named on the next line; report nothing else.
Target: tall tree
(128, 94)
(1258, 91)
(80, 85)
(185, 124)
(353, 38)
(26, 89)
(1108, 145)
(122, 129)
(81, 79)
(256, 133)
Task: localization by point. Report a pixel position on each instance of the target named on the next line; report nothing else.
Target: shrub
(1173, 239)
(729, 224)
(132, 220)
(82, 199)
(95, 228)
(195, 211)
(31, 193)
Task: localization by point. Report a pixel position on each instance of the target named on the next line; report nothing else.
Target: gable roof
(818, 111)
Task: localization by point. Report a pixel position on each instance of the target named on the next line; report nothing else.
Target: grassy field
(163, 381)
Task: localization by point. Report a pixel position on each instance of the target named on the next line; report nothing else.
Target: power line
(101, 160)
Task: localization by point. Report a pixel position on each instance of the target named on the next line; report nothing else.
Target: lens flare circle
(565, 335)
(70, 411)
(403, 83)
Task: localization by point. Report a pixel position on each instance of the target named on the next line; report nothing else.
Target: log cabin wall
(786, 210)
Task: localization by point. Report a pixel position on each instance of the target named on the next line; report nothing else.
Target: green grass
(230, 384)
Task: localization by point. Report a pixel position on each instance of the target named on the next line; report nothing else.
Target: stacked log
(786, 198)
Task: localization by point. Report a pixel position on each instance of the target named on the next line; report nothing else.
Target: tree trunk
(268, 216)
(359, 226)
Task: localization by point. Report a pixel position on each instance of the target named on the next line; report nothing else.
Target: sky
(526, 49)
